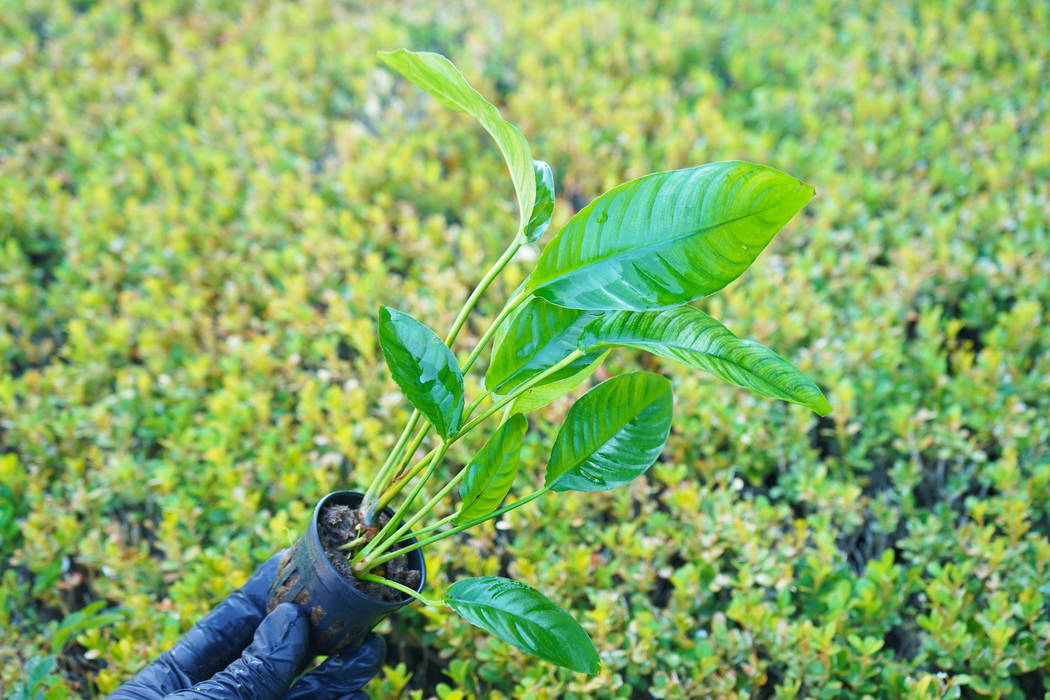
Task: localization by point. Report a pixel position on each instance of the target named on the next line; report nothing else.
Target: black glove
(238, 652)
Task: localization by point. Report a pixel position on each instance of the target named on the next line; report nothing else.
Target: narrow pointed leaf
(540, 396)
(436, 74)
(543, 210)
(667, 238)
(538, 337)
(695, 339)
(525, 618)
(612, 434)
(424, 368)
(492, 471)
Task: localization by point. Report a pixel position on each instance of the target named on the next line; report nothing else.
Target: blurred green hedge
(203, 203)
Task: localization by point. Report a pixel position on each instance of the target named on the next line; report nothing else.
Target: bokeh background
(203, 203)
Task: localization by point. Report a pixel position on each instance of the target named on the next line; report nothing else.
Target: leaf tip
(807, 191)
(821, 407)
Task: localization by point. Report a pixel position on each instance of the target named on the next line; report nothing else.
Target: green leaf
(538, 337)
(38, 668)
(667, 238)
(695, 339)
(492, 471)
(525, 618)
(540, 396)
(436, 74)
(424, 368)
(612, 434)
(543, 210)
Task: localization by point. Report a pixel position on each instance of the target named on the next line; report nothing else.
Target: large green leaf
(491, 473)
(436, 74)
(525, 618)
(543, 210)
(612, 434)
(667, 238)
(540, 396)
(38, 668)
(538, 337)
(693, 338)
(424, 368)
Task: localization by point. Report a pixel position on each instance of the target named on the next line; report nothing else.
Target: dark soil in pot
(315, 575)
(337, 526)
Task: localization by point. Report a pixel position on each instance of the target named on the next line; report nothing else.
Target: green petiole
(459, 528)
(404, 589)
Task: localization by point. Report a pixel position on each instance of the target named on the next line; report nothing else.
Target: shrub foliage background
(203, 204)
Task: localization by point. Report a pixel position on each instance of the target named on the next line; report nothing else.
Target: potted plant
(620, 273)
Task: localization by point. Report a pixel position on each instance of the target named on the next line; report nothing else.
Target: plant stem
(507, 413)
(576, 354)
(459, 528)
(505, 402)
(431, 528)
(389, 541)
(402, 481)
(386, 473)
(400, 514)
(496, 268)
(404, 589)
(353, 543)
(493, 327)
(382, 479)
(474, 405)
(411, 450)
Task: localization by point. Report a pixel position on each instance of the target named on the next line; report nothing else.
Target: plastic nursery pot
(340, 614)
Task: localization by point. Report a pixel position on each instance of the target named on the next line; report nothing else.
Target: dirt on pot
(337, 526)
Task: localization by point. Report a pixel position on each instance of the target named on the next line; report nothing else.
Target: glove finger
(341, 676)
(210, 645)
(267, 667)
(219, 638)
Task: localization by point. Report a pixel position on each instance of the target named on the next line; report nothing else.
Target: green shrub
(203, 205)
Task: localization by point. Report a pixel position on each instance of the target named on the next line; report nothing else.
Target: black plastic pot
(340, 615)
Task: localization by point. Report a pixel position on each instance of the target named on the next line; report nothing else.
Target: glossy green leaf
(491, 473)
(612, 434)
(543, 210)
(540, 396)
(525, 618)
(538, 337)
(424, 368)
(695, 339)
(667, 238)
(436, 74)
(38, 668)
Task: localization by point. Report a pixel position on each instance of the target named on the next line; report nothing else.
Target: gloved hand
(238, 652)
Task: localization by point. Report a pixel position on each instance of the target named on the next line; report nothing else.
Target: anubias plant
(620, 273)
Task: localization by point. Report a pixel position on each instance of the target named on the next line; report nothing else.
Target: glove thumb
(267, 667)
